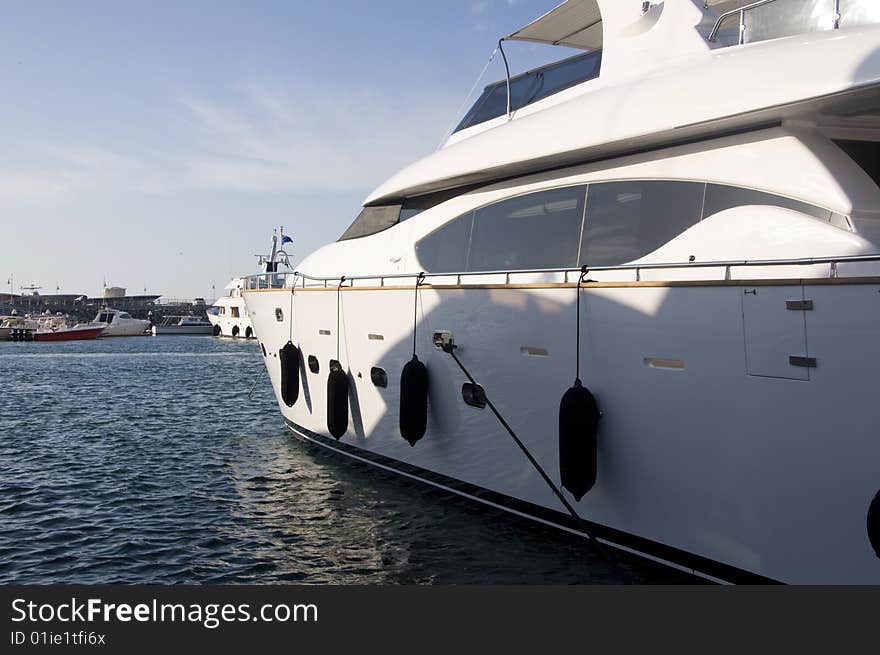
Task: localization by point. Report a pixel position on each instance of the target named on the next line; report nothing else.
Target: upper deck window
(532, 86)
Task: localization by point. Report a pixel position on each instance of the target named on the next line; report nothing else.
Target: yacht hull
(717, 453)
(73, 334)
(138, 329)
(189, 330)
(231, 327)
(630, 543)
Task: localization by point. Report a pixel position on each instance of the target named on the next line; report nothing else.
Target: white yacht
(121, 324)
(229, 315)
(635, 294)
(182, 325)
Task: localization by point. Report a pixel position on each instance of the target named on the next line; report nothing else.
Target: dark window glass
(538, 230)
(445, 249)
(417, 204)
(377, 218)
(627, 220)
(372, 220)
(532, 86)
(866, 154)
(408, 212)
(720, 197)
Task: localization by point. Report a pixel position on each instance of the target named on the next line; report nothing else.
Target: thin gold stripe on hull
(787, 282)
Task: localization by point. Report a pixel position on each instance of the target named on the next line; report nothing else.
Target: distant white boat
(121, 324)
(189, 325)
(229, 315)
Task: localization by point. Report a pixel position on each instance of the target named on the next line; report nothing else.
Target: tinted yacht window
(865, 153)
(372, 220)
(445, 249)
(627, 220)
(417, 204)
(538, 230)
(720, 197)
(532, 86)
(624, 221)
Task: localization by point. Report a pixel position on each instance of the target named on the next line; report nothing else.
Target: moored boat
(228, 315)
(182, 325)
(74, 333)
(635, 295)
(16, 328)
(118, 323)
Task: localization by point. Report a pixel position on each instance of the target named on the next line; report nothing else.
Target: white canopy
(574, 23)
(578, 23)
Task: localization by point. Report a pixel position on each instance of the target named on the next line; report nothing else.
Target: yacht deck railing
(280, 280)
(759, 3)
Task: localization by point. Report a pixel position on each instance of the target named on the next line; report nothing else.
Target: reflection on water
(142, 460)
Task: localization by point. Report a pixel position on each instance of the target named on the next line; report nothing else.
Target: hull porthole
(379, 377)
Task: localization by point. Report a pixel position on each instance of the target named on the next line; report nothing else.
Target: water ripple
(142, 461)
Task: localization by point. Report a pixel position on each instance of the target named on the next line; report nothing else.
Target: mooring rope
(419, 279)
(338, 311)
(577, 374)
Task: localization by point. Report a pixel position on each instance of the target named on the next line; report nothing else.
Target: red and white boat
(57, 329)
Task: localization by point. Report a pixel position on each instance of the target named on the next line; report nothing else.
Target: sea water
(144, 460)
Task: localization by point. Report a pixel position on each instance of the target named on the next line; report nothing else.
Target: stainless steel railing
(742, 18)
(280, 280)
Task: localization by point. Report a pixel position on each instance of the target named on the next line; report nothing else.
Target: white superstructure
(229, 315)
(121, 324)
(687, 218)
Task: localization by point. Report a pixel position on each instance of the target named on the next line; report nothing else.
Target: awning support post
(506, 72)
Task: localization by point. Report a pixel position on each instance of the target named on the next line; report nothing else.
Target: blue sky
(158, 143)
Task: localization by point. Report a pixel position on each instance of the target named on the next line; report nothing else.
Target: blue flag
(286, 239)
